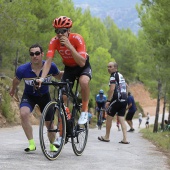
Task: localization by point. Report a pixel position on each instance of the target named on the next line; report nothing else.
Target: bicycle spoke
(50, 130)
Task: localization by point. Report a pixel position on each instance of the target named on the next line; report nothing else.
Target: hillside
(138, 91)
(123, 12)
(143, 97)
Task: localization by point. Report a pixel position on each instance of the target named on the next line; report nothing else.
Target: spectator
(131, 111)
(116, 102)
(140, 119)
(28, 72)
(118, 123)
(89, 116)
(147, 120)
(167, 125)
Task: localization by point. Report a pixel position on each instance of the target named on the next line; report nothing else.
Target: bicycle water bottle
(68, 113)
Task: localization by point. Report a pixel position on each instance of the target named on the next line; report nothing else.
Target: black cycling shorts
(30, 101)
(101, 105)
(117, 107)
(130, 115)
(71, 73)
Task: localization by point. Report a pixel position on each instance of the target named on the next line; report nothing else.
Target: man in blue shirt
(100, 103)
(131, 111)
(28, 72)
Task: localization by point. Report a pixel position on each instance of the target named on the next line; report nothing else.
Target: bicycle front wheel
(52, 126)
(100, 121)
(80, 135)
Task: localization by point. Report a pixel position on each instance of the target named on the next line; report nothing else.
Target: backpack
(121, 88)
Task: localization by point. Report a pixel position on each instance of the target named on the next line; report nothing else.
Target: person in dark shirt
(131, 111)
(29, 72)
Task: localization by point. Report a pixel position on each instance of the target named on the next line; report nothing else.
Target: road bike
(100, 119)
(59, 125)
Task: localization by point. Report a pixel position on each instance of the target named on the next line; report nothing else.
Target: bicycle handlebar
(68, 85)
(54, 83)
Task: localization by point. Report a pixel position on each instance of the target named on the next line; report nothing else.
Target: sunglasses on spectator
(61, 30)
(36, 53)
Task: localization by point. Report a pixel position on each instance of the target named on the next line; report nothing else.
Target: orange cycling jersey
(77, 42)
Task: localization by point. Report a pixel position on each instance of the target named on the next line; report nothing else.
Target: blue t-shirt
(131, 100)
(101, 98)
(26, 73)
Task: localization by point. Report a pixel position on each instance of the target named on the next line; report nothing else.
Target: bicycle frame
(69, 128)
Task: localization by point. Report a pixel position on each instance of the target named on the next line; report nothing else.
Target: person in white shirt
(140, 119)
(147, 120)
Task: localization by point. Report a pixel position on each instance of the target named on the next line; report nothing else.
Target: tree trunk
(0, 60)
(169, 113)
(155, 129)
(16, 61)
(163, 114)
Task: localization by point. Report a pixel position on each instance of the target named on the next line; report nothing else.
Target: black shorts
(117, 107)
(30, 101)
(130, 115)
(147, 123)
(71, 73)
(101, 105)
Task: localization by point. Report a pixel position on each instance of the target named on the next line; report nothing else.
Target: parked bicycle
(60, 126)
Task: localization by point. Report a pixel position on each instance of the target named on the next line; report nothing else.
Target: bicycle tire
(100, 121)
(80, 135)
(44, 133)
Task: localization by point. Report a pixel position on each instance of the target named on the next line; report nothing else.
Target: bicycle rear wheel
(80, 135)
(49, 131)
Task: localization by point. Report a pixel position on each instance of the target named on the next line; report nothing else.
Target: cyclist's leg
(98, 111)
(49, 117)
(121, 113)
(85, 91)
(109, 119)
(104, 114)
(84, 80)
(26, 107)
(111, 113)
(68, 75)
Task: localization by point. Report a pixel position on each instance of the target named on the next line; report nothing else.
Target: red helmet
(62, 22)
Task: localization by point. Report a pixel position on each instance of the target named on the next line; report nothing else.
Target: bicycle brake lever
(36, 87)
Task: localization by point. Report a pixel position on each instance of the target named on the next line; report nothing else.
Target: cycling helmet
(101, 92)
(62, 22)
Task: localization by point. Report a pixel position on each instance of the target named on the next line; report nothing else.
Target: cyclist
(71, 47)
(28, 72)
(100, 103)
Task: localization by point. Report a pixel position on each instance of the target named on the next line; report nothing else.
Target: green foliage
(139, 108)
(154, 44)
(5, 104)
(30, 22)
(160, 139)
(99, 60)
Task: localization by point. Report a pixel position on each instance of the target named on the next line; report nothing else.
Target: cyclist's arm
(59, 76)
(111, 91)
(79, 59)
(46, 69)
(15, 83)
(129, 106)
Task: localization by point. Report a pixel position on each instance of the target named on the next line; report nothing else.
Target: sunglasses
(36, 53)
(61, 30)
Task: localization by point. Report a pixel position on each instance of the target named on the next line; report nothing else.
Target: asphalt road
(140, 154)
